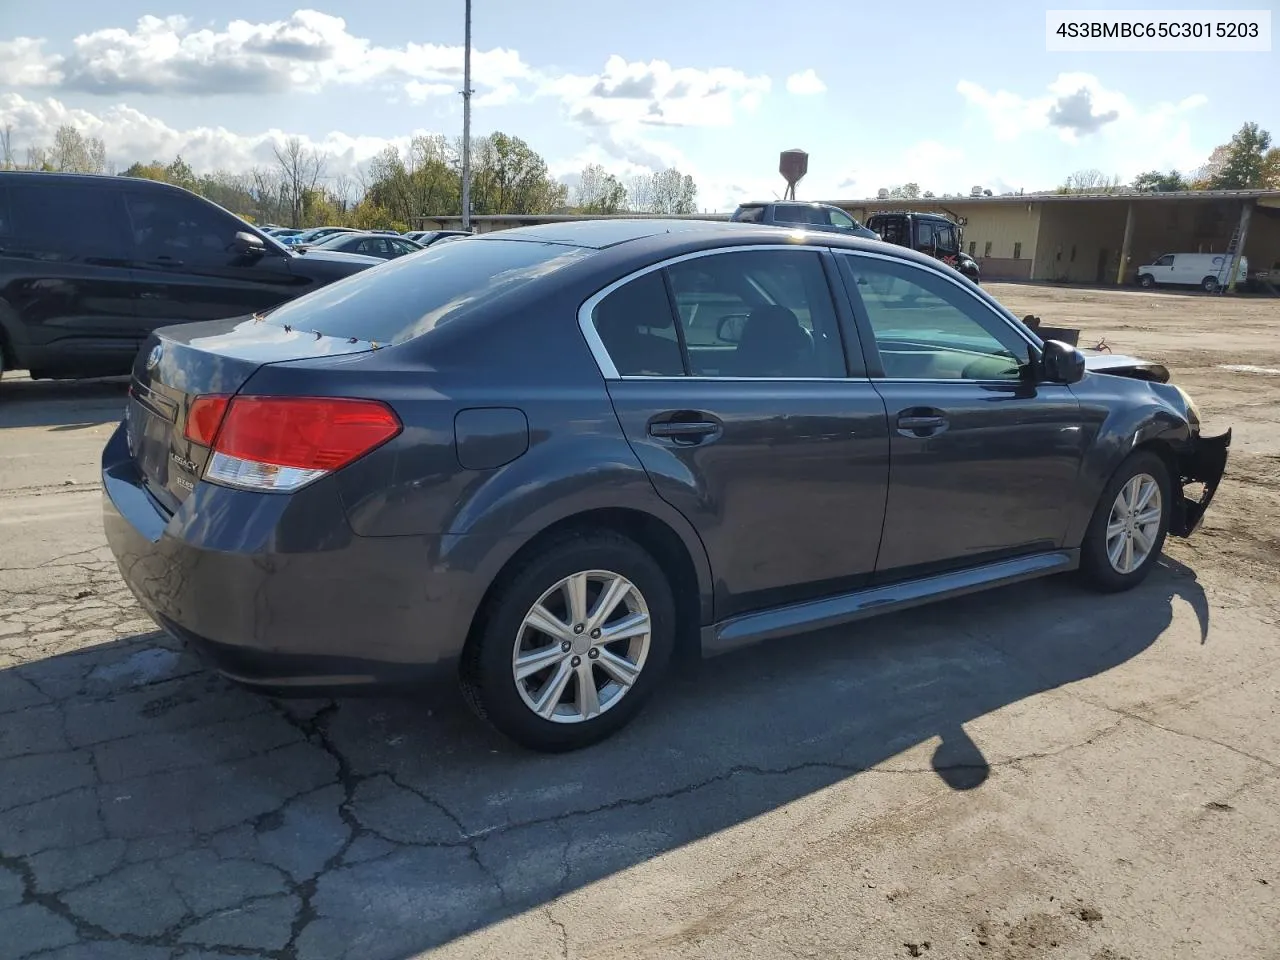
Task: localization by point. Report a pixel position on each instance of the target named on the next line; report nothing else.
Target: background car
(315, 234)
(809, 216)
(428, 237)
(543, 460)
(90, 265)
(380, 245)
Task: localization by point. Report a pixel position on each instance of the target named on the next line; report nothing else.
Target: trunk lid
(177, 364)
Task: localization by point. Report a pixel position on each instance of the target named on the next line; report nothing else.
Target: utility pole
(466, 124)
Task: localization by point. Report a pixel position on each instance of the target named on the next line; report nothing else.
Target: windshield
(409, 296)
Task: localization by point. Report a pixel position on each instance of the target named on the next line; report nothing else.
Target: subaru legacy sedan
(545, 461)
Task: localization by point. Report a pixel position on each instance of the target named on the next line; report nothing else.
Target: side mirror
(729, 329)
(1061, 363)
(249, 244)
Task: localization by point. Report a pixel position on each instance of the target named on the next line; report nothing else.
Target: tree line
(393, 190)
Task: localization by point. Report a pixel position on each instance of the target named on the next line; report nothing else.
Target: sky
(943, 94)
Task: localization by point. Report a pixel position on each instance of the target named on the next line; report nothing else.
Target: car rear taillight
(279, 444)
(204, 417)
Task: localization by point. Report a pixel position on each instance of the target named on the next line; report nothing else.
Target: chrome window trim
(607, 368)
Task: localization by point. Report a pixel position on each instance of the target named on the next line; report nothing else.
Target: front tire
(1146, 281)
(1129, 524)
(572, 644)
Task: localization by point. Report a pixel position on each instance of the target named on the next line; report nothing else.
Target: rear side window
(411, 296)
(749, 214)
(764, 314)
(59, 221)
(637, 330)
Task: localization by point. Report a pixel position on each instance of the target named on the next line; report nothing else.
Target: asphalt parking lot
(1034, 772)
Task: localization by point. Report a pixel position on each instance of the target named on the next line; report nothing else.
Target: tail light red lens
(204, 417)
(310, 433)
(282, 443)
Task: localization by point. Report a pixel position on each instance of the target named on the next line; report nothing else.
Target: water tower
(793, 165)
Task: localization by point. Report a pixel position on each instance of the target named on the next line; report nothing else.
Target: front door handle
(920, 423)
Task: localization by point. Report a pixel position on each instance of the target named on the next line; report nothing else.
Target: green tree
(599, 191)
(1245, 161)
(509, 176)
(1160, 182)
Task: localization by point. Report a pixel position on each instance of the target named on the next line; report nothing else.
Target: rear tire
(1209, 284)
(1126, 534)
(547, 710)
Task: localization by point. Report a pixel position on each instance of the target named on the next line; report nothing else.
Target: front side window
(840, 219)
(945, 234)
(927, 328)
(171, 227)
(924, 235)
(1165, 261)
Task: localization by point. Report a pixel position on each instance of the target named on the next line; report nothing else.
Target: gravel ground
(1035, 772)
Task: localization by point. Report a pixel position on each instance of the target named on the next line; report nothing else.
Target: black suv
(808, 216)
(90, 265)
(930, 233)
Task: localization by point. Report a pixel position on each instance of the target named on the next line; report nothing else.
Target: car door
(741, 407)
(67, 276)
(1164, 270)
(189, 267)
(983, 461)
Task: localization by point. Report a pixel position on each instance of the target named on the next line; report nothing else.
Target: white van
(1205, 270)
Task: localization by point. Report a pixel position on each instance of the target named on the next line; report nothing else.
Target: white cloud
(307, 51)
(23, 62)
(130, 135)
(805, 83)
(656, 94)
(1075, 106)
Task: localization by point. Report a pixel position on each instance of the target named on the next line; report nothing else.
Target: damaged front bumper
(1204, 463)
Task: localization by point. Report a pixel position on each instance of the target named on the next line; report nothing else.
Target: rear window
(409, 296)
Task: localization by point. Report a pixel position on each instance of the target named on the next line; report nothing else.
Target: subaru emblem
(153, 358)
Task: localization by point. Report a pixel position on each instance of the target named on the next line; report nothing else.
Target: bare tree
(640, 193)
(300, 171)
(6, 147)
(342, 190)
(1089, 181)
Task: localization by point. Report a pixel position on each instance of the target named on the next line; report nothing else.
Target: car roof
(650, 240)
(599, 234)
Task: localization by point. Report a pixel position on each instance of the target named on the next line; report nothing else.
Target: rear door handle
(685, 431)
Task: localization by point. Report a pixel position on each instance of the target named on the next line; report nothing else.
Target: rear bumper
(276, 592)
(1204, 463)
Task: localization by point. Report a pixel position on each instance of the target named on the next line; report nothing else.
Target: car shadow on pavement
(149, 803)
(61, 404)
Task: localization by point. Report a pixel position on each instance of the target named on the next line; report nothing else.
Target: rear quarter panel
(532, 359)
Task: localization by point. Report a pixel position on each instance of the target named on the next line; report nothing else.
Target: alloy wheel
(581, 647)
(1134, 523)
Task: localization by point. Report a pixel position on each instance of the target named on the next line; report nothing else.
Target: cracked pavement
(1033, 772)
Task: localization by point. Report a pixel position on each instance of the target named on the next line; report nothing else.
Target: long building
(1073, 238)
